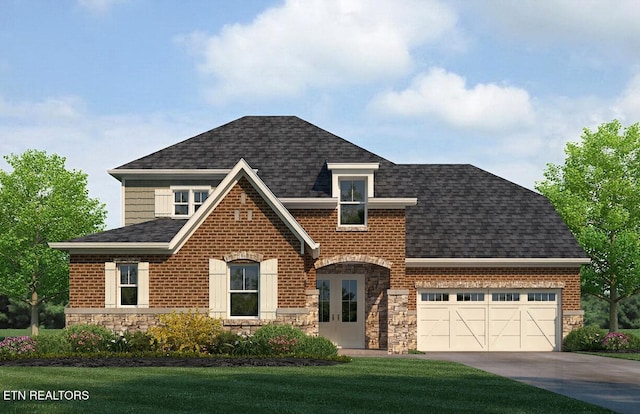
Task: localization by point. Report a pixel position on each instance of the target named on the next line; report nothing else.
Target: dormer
(353, 185)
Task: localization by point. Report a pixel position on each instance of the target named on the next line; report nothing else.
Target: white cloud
(608, 26)
(320, 43)
(51, 109)
(99, 7)
(445, 95)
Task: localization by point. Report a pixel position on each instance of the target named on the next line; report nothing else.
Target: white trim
(361, 166)
(112, 247)
(495, 262)
(391, 203)
(150, 174)
(310, 203)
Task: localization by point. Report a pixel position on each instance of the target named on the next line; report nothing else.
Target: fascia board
(391, 203)
(112, 247)
(495, 262)
(149, 174)
(362, 166)
(310, 203)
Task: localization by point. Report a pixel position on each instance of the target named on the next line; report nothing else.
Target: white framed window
(127, 284)
(186, 201)
(244, 289)
(505, 297)
(470, 297)
(353, 202)
(227, 300)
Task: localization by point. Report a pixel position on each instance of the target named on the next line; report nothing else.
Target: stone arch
(244, 255)
(353, 258)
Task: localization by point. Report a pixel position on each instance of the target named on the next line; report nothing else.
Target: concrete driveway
(608, 382)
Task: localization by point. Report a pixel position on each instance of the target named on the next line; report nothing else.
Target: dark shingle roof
(462, 211)
(288, 152)
(155, 231)
(465, 212)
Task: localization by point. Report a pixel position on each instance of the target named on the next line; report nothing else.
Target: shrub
(19, 345)
(191, 331)
(317, 346)
(226, 342)
(615, 341)
(89, 338)
(138, 341)
(52, 343)
(274, 339)
(584, 339)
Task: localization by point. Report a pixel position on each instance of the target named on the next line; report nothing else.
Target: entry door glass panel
(324, 302)
(349, 300)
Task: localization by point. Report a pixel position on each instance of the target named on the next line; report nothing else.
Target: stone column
(399, 325)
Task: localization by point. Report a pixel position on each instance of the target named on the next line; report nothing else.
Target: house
(273, 219)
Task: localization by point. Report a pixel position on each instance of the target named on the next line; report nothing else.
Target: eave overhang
(332, 203)
(495, 262)
(112, 247)
(154, 174)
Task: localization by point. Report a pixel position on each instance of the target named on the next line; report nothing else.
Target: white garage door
(488, 320)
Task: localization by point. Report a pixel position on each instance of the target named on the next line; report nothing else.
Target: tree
(41, 202)
(597, 193)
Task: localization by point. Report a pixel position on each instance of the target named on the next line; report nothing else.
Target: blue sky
(502, 85)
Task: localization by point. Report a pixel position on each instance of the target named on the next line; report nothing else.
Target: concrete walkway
(608, 382)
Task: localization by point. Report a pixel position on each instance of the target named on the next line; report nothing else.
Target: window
(243, 290)
(128, 287)
(181, 203)
(470, 297)
(324, 286)
(435, 297)
(352, 202)
(186, 202)
(505, 297)
(541, 297)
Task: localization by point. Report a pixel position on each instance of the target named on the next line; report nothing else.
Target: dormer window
(353, 202)
(352, 185)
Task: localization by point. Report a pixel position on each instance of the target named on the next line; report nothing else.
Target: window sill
(363, 228)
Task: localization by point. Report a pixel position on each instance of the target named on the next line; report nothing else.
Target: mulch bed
(166, 362)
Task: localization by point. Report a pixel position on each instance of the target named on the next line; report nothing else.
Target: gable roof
(462, 211)
(169, 235)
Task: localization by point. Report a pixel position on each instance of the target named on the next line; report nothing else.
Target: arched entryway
(353, 304)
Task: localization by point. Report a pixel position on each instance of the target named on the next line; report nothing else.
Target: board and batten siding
(139, 197)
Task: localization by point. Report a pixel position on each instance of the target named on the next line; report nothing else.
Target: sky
(502, 85)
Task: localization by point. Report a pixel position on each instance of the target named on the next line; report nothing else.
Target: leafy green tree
(41, 202)
(597, 193)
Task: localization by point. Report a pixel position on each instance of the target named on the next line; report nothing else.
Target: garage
(488, 320)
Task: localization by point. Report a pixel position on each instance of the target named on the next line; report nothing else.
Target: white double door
(341, 309)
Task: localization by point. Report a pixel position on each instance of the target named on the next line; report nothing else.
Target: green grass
(635, 332)
(366, 385)
(25, 332)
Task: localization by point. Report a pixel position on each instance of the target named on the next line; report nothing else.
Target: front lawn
(366, 385)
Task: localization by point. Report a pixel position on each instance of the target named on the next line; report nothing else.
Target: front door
(341, 309)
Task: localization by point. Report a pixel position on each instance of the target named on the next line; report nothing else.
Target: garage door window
(470, 297)
(541, 297)
(435, 297)
(505, 297)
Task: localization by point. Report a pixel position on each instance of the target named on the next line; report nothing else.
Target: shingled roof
(462, 211)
